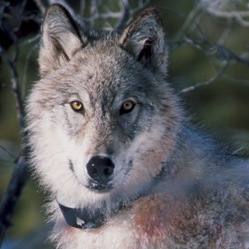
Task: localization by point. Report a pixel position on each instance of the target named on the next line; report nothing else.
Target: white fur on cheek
(52, 163)
(50, 159)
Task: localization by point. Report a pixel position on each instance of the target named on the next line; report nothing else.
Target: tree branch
(15, 83)
(12, 194)
(19, 176)
(208, 82)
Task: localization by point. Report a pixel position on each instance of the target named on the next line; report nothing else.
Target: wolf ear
(60, 39)
(144, 38)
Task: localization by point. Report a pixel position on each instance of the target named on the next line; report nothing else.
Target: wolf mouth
(100, 188)
(91, 218)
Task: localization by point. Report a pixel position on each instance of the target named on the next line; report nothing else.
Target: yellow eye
(127, 107)
(76, 105)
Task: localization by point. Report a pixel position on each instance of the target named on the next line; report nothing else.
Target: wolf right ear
(60, 39)
(144, 38)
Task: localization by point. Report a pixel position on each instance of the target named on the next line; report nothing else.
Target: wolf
(110, 142)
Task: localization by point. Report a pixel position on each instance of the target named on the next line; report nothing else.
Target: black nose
(100, 168)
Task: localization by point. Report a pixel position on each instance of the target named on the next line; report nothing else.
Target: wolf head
(102, 120)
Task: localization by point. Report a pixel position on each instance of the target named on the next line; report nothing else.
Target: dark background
(208, 66)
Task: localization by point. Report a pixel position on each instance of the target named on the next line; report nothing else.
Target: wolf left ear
(60, 39)
(144, 38)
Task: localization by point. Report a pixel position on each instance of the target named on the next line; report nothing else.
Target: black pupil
(76, 105)
(127, 107)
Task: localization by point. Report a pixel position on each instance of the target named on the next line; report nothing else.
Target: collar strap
(82, 218)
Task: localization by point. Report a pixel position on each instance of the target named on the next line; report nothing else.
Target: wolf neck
(81, 218)
(186, 175)
(89, 218)
(201, 160)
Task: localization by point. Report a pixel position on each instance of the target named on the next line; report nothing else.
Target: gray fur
(171, 187)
